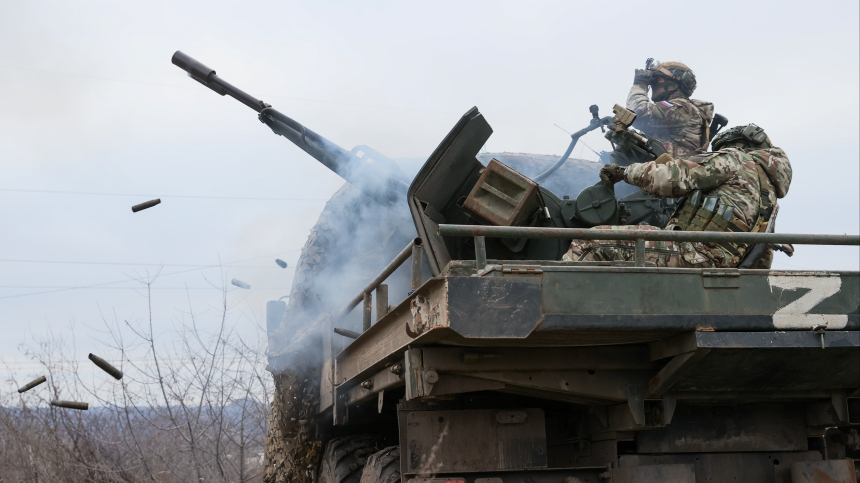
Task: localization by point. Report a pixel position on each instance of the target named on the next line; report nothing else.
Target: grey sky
(89, 102)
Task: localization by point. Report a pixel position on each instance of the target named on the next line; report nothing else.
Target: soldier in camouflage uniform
(681, 123)
(745, 177)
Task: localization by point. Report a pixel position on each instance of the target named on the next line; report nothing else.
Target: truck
(469, 352)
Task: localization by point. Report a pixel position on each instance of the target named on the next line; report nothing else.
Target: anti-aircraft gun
(456, 175)
(510, 366)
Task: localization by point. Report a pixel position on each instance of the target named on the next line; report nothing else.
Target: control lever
(593, 109)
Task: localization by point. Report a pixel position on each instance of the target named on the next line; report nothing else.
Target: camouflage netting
(292, 451)
(359, 238)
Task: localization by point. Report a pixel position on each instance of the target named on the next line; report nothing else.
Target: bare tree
(193, 408)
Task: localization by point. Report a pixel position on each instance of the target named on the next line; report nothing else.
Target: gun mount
(629, 145)
(375, 174)
(444, 191)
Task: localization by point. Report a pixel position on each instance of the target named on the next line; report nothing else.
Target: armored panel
(475, 440)
(507, 309)
(449, 173)
(776, 369)
(728, 429)
(664, 298)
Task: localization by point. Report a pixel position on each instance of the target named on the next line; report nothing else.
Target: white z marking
(794, 315)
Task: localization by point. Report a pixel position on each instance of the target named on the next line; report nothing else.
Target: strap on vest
(707, 136)
(765, 204)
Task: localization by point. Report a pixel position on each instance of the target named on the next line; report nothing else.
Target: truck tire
(345, 457)
(383, 466)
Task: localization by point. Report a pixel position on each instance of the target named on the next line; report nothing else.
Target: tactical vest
(700, 212)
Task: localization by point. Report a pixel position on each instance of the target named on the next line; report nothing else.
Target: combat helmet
(750, 136)
(678, 72)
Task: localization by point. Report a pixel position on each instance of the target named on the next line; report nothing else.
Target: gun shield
(106, 366)
(81, 406)
(145, 205)
(32, 384)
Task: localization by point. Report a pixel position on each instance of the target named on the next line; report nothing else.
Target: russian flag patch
(667, 104)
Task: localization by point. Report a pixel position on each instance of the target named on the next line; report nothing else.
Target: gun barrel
(312, 143)
(375, 176)
(207, 76)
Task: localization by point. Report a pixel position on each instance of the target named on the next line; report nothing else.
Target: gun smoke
(356, 237)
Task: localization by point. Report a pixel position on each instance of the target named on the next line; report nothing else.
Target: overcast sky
(90, 103)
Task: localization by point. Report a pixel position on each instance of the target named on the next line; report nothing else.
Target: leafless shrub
(191, 410)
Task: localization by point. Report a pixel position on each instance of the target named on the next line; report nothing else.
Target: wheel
(383, 466)
(345, 457)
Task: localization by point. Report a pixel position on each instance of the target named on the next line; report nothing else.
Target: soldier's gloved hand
(642, 77)
(611, 174)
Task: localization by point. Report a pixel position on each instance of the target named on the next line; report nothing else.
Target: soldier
(733, 188)
(681, 123)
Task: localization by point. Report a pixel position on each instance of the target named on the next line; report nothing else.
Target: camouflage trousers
(661, 253)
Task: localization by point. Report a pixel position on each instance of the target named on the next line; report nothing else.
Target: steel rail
(385, 273)
(649, 235)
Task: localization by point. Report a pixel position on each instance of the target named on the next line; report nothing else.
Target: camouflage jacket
(681, 123)
(729, 174)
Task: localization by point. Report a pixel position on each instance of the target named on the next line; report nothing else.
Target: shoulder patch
(667, 103)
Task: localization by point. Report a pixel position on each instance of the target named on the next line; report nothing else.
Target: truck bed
(588, 332)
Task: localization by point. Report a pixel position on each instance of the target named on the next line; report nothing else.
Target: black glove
(642, 77)
(611, 174)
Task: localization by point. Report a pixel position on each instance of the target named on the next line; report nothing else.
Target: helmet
(678, 72)
(750, 136)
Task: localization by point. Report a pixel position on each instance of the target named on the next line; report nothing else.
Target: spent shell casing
(32, 384)
(145, 205)
(240, 283)
(106, 366)
(346, 333)
(81, 406)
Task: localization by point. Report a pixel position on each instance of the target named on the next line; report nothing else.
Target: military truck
(478, 356)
